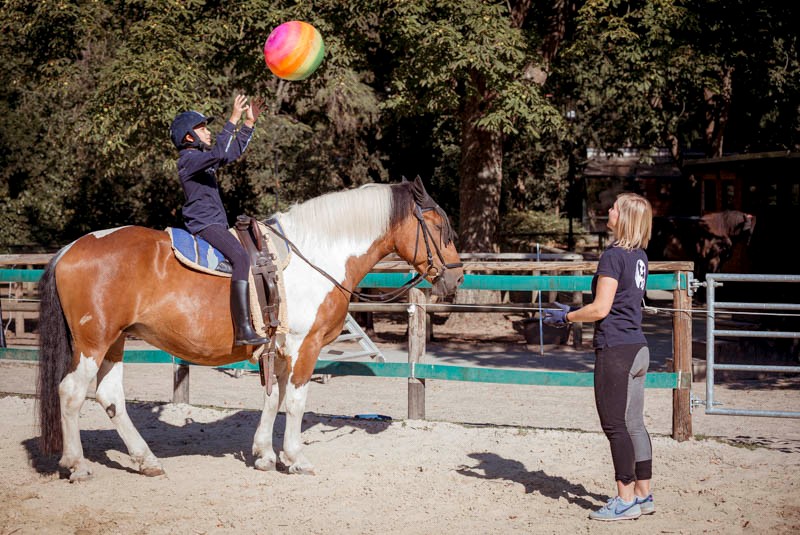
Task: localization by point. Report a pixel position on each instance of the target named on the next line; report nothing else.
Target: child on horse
(203, 212)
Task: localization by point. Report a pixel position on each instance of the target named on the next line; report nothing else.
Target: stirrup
(254, 341)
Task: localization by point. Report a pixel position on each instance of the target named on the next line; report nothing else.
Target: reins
(432, 270)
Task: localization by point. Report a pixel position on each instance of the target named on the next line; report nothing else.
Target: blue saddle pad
(195, 249)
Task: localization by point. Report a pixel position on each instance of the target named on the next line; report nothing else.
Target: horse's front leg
(292, 455)
(264, 453)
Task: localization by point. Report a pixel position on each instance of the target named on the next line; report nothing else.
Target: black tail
(55, 355)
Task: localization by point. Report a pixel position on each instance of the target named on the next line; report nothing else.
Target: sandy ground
(487, 459)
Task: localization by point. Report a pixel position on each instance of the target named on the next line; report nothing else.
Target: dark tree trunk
(481, 171)
(481, 166)
(719, 105)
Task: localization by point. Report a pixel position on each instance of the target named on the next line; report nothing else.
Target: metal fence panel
(712, 281)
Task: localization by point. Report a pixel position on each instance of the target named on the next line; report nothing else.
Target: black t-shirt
(623, 325)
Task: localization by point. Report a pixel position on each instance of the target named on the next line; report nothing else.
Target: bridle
(422, 229)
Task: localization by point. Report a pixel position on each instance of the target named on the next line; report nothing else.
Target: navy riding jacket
(197, 170)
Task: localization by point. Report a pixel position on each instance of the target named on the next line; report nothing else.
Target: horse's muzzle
(447, 283)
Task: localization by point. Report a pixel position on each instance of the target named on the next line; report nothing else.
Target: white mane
(343, 220)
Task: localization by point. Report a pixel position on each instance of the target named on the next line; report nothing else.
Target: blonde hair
(635, 224)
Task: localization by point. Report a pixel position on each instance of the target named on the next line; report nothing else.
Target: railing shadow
(495, 467)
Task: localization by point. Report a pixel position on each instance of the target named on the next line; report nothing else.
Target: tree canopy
(492, 103)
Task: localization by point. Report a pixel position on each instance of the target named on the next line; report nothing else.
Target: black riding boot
(244, 334)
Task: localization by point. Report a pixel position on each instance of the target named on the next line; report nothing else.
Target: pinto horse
(126, 280)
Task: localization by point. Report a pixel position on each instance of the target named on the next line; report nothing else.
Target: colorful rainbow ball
(294, 50)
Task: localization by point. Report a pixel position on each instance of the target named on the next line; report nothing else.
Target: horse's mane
(363, 213)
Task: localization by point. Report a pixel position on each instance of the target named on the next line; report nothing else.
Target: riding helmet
(183, 124)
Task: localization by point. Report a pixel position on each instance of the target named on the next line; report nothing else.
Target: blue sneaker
(616, 509)
(646, 504)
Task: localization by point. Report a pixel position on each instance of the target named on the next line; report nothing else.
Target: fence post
(2, 328)
(180, 383)
(577, 328)
(417, 319)
(682, 363)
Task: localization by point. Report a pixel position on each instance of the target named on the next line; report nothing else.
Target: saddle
(267, 284)
(263, 270)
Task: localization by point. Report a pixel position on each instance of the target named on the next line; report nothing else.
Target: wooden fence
(393, 274)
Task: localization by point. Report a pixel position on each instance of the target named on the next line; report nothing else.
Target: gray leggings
(619, 374)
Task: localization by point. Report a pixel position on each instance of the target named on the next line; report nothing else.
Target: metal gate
(716, 279)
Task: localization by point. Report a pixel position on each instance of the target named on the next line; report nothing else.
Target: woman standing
(621, 354)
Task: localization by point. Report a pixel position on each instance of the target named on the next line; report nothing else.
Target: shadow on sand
(231, 435)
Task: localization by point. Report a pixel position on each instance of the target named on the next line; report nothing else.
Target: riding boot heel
(244, 334)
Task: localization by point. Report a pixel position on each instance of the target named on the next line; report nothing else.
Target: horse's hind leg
(72, 393)
(263, 451)
(111, 396)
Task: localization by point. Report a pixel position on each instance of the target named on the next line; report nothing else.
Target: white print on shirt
(640, 273)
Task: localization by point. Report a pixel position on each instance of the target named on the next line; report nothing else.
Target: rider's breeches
(619, 375)
(228, 245)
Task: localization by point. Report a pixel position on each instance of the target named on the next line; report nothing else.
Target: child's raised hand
(254, 110)
(239, 106)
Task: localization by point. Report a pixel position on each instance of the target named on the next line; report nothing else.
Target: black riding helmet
(183, 124)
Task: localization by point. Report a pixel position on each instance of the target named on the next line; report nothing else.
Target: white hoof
(266, 465)
(265, 458)
(79, 468)
(81, 472)
(150, 466)
(152, 471)
(300, 466)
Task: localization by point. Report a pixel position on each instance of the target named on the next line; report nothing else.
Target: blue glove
(557, 317)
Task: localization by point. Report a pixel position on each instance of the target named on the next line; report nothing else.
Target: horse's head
(425, 239)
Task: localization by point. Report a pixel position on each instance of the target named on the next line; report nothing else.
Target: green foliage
(95, 85)
(639, 73)
(447, 51)
(628, 79)
(534, 222)
(89, 88)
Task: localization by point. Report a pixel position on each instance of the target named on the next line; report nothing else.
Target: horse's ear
(404, 179)
(419, 190)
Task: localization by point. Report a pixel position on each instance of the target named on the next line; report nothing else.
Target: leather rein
(432, 271)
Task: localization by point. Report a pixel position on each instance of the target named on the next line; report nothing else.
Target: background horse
(111, 283)
(709, 241)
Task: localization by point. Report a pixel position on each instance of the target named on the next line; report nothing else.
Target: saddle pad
(195, 252)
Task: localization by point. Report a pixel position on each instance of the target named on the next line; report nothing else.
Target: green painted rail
(423, 371)
(20, 275)
(445, 372)
(564, 283)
